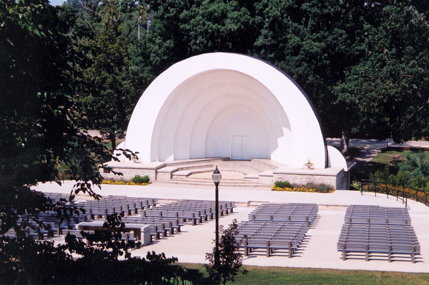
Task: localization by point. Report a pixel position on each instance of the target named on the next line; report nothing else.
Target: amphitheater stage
(239, 173)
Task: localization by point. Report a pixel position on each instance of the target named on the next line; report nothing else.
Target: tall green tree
(39, 136)
(314, 42)
(388, 87)
(39, 133)
(37, 108)
(362, 64)
(181, 29)
(108, 85)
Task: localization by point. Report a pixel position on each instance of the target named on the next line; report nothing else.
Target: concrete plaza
(318, 251)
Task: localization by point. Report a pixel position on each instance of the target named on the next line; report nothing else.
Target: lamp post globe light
(217, 176)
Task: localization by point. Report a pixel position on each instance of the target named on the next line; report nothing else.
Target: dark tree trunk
(344, 142)
(113, 141)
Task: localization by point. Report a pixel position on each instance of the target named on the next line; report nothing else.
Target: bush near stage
(141, 179)
(282, 184)
(309, 187)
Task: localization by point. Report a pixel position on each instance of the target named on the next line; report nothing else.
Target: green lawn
(281, 275)
(362, 170)
(383, 157)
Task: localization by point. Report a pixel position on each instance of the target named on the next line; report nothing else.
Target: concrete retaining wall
(336, 178)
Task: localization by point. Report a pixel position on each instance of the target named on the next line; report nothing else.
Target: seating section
(293, 212)
(375, 232)
(276, 228)
(368, 232)
(361, 214)
(169, 218)
(164, 220)
(126, 206)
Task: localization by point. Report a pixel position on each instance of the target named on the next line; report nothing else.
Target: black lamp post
(216, 176)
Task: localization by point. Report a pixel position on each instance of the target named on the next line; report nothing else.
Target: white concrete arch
(210, 105)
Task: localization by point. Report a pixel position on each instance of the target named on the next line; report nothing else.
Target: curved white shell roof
(226, 105)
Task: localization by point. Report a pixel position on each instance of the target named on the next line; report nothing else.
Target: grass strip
(286, 275)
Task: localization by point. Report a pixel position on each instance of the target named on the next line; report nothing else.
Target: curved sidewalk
(319, 251)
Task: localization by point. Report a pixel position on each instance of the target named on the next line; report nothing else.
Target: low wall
(337, 178)
(131, 169)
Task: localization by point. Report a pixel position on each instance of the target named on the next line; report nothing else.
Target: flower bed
(111, 182)
(293, 189)
(308, 188)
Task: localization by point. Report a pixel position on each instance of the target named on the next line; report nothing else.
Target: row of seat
(169, 218)
(195, 210)
(378, 232)
(376, 215)
(271, 237)
(164, 220)
(293, 212)
(276, 228)
(125, 206)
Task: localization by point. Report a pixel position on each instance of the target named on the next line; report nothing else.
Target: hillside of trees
(363, 65)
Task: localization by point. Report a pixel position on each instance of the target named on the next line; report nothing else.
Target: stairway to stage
(199, 171)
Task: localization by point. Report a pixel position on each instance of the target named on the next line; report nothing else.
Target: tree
(389, 84)
(181, 29)
(356, 60)
(38, 129)
(230, 259)
(109, 88)
(109, 243)
(39, 136)
(315, 42)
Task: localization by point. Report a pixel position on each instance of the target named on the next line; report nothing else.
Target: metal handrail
(401, 194)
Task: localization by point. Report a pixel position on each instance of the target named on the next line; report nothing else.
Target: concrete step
(194, 161)
(187, 172)
(208, 179)
(185, 168)
(267, 163)
(223, 181)
(200, 169)
(248, 168)
(209, 182)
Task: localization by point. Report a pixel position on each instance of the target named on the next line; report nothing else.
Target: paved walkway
(371, 143)
(319, 251)
(370, 148)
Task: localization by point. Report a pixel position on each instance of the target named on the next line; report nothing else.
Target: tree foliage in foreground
(23, 260)
(47, 263)
(39, 136)
(230, 259)
(38, 129)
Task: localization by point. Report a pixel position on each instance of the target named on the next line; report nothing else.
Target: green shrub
(355, 185)
(141, 179)
(310, 185)
(322, 188)
(282, 184)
